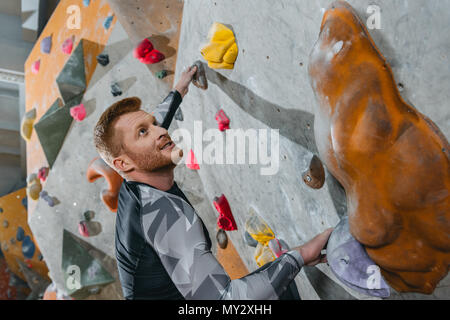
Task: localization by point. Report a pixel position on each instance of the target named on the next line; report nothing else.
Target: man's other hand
(311, 251)
(186, 77)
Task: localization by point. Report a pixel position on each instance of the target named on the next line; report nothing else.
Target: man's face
(146, 146)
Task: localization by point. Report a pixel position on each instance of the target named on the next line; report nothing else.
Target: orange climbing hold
(392, 161)
(97, 169)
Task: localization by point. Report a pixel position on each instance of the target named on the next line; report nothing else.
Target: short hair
(107, 144)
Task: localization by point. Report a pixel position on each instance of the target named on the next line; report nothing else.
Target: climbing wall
(17, 241)
(78, 195)
(269, 88)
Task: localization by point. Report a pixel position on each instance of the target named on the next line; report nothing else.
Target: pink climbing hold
(191, 161)
(226, 220)
(43, 173)
(78, 112)
(277, 247)
(145, 53)
(82, 229)
(222, 120)
(67, 45)
(35, 66)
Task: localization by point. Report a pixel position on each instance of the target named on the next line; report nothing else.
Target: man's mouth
(169, 145)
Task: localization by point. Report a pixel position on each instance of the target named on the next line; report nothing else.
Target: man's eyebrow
(143, 122)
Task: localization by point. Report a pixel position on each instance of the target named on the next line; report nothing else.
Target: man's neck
(161, 180)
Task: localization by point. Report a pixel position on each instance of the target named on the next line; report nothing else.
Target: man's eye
(142, 131)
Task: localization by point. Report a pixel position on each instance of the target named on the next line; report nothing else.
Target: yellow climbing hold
(34, 186)
(258, 228)
(221, 51)
(263, 254)
(26, 127)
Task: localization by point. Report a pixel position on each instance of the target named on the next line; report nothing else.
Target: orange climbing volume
(392, 161)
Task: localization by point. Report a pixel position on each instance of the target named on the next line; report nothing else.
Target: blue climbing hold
(25, 202)
(86, 2)
(20, 235)
(107, 22)
(28, 247)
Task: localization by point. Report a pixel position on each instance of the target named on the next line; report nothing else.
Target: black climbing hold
(103, 59)
(20, 235)
(115, 89)
(40, 257)
(89, 215)
(1, 210)
(161, 74)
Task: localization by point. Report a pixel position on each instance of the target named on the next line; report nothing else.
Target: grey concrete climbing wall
(269, 89)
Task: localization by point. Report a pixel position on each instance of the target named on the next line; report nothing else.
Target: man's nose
(161, 132)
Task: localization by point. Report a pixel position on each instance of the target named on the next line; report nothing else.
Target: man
(163, 249)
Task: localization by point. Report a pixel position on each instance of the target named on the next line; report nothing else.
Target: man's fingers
(192, 70)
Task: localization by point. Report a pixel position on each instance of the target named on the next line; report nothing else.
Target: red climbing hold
(28, 263)
(191, 161)
(222, 120)
(145, 53)
(154, 57)
(143, 49)
(78, 112)
(226, 220)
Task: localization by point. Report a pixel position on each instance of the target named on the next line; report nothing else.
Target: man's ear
(123, 163)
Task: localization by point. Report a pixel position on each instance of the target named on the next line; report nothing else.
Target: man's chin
(176, 155)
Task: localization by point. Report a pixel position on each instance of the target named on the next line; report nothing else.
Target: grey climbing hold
(352, 265)
(5, 223)
(199, 79)
(44, 195)
(12, 241)
(249, 240)
(103, 59)
(179, 115)
(222, 238)
(115, 89)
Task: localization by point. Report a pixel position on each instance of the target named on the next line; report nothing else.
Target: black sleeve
(165, 111)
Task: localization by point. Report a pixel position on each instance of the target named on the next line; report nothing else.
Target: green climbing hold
(161, 74)
(82, 272)
(71, 80)
(53, 126)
